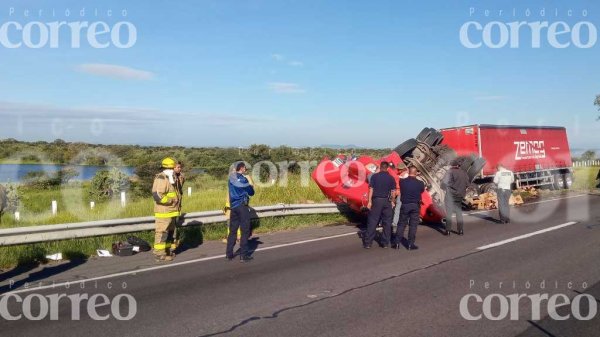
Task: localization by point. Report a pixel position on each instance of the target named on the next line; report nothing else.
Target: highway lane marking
(134, 272)
(222, 256)
(524, 236)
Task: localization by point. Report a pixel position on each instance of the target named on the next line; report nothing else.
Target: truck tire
(475, 168)
(434, 138)
(424, 134)
(568, 179)
(406, 147)
(559, 182)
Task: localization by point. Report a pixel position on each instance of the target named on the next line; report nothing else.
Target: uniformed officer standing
(410, 195)
(382, 187)
(240, 191)
(504, 179)
(455, 183)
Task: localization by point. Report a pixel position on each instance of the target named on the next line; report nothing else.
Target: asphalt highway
(334, 287)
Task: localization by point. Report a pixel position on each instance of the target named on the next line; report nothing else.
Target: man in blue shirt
(381, 193)
(240, 191)
(410, 195)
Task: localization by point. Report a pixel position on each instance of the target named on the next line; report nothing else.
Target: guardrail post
(54, 207)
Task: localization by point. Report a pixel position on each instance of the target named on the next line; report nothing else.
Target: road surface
(328, 285)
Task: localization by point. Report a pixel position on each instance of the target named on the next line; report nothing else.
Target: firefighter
(411, 190)
(455, 183)
(382, 189)
(240, 191)
(504, 179)
(166, 209)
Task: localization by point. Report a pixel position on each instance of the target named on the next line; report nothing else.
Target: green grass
(191, 237)
(585, 178)
(208, 193)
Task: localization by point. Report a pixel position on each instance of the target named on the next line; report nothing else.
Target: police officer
(504, 179)
(240, 191)
(382, 187)
(455, 183)
(410, 195)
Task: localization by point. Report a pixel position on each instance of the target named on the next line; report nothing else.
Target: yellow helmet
(168, 163)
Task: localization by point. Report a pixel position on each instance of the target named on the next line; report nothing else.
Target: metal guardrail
(45, 233)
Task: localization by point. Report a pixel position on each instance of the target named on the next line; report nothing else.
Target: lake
(16, 172)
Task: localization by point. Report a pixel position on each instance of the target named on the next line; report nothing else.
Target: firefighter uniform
(504, 179)
(166, 210)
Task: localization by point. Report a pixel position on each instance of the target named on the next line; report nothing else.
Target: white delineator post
(18, 216)
(92, 205)
(189, 191)
(54, 207)
(123, 199)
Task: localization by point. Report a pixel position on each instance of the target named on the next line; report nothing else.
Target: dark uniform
(410, 195)
(455, 182)
(382, 184)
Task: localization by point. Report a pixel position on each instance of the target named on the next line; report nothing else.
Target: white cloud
(285, 88)
(115, 71)
(44, 113)
(296, 64)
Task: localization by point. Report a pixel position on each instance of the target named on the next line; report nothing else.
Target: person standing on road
(411, 190)
(382, 188)
(166, 210)
(240, 190)
(455, 183)
(504, 179)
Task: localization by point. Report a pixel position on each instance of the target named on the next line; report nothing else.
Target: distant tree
(597, 104)
(588, 155)
(107, 184)
(3, 201)
(144, 177)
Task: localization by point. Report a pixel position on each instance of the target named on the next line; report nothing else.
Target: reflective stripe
(167, 215)
(164, 200)
(160, 246)
(172, 194)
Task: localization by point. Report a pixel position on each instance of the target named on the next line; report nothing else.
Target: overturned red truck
(538, 155)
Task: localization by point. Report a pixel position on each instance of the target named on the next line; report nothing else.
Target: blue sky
(299, 73)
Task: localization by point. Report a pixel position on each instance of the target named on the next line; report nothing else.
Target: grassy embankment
(207, 194)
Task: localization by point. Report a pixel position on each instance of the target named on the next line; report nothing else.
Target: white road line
(524, 236)
(134, 272)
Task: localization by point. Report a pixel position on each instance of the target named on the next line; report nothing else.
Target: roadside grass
(585, 178)
(81, 249)
(208, 193)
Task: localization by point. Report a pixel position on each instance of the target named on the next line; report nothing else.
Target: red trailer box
(538, 155)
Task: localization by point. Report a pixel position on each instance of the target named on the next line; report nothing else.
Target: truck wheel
(568, 179)
(559, 181)
(475, 168)
(424, 134)
(406, 147)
